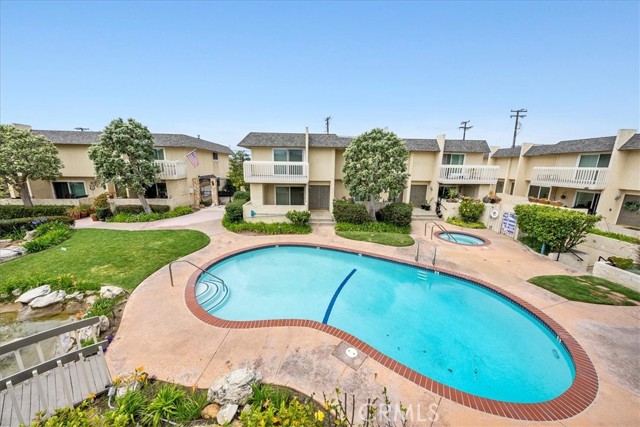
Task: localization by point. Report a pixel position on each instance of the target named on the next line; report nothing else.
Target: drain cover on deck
(349, 355)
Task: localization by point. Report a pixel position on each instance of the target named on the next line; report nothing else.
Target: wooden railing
(171, 169)
(585, 178)
(276, 172)
(468, 174)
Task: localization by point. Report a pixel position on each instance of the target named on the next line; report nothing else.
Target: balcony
(171, 169)
(261, 172)
(468, 174)
(584, 178)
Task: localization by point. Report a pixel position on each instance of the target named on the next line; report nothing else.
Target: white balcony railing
(276, 172)
(171, 169)
(585, 178)
(468, 174)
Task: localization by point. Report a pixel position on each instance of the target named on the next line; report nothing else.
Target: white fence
(468, 174)
(276, 172)
(171, 169)
(586, 178)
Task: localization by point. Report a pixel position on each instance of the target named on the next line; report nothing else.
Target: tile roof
(589, 145)
(466, 146)
(632, 144)
(160, 140)
(507, 152)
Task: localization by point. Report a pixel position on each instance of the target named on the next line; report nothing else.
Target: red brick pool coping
(570, 403)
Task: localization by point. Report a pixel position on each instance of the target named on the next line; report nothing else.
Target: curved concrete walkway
(160, 333)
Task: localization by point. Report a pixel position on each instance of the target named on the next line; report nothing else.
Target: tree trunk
(144, 203)
(24, 195)
(372, 208)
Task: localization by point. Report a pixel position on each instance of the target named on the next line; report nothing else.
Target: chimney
(198, 136)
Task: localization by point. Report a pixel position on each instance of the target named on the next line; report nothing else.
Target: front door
(418, 195)
(319, 197)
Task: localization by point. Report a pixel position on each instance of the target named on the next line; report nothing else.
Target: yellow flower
(140, 369)
(326, 405)
(319, 415)
(91, 396)
(116, 380)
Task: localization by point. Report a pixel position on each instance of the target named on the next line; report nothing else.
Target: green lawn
(389, 239)
(121, 258)
(585, 289)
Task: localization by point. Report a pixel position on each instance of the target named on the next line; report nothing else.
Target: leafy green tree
(125, 157)
(236, 172)
(374, 163)
(560, 229)
(26, 156)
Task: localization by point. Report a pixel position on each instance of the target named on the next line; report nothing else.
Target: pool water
(448, 329)
(461, 238)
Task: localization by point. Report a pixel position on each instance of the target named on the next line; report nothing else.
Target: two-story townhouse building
(179, 181)
(303, 171)
(600, 175)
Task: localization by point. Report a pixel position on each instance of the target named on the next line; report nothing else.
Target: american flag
(193, 159)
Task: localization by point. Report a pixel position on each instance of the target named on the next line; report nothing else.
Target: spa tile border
(485, 242)
(572, 402)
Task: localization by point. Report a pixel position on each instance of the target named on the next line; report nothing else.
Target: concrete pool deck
(160, 333)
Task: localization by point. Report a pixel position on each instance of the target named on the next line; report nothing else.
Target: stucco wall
(321, 166)
(423, 166)
(605, 271)
(75, 159)
(596, 245)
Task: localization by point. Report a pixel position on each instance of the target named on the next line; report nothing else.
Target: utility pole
(515, 129)
(326, 121)
(464, 128)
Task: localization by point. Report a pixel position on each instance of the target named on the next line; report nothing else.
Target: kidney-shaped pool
(463, 334)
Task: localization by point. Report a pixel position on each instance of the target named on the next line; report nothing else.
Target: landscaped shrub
(148, 217)
(233, 211)
(560, 229)
(137, 209)
(265, 228)
(373, 227)
(620, 262)
(461, 223)
(348, 211)
(299, 217)
(470, 210)
(179, 211)
(617, 236)
(47, 235)
(19, 211)
(293, 413)
(242, 195)
(397, 213)
(19, 225)
(80, 211)
(102, 208)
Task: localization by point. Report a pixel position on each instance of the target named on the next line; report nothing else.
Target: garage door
(629, 215)
(418, 195)
(319, 197)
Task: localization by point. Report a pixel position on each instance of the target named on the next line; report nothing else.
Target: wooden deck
(57, 383)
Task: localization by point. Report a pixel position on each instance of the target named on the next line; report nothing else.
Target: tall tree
(236, 171)
(125, 157)
(374, 163)
(26, 156)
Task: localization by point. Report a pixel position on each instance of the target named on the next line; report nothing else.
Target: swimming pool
(461, 238)
(462, 335)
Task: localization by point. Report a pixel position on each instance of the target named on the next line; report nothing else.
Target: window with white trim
(158, 153)
(69, 189)
(453, 159)
(539, 192)
(594, 160)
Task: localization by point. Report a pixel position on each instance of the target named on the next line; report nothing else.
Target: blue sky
(224, 69)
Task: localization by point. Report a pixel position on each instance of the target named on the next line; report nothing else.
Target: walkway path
(160, 333)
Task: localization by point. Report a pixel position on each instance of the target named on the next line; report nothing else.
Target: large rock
(34, 293)
(234, 387)
(110, 292)
(30, 235)
(210, 411)
(227, 413)
(85, 333)
(49, 299)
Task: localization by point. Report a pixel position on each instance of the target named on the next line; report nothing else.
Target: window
(157, 191)
(539, 192)
(594, 161)
(285, 155)
(453, 159)
(69, 190)
(158, 153)
(289, 195)
(500, 186)
(215, 156)
(583, 200)
(513, 186)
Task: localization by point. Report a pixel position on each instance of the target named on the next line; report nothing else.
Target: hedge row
(137, 209)
(19, 211)
(26, 224)
(348, 211)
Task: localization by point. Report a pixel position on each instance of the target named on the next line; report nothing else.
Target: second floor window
(158, 153)
(453, 159)
(594, 161)
(215, 156)
(287, 155)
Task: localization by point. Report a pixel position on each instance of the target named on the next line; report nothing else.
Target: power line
(326, 121)
(464, 128)
(518, 116)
